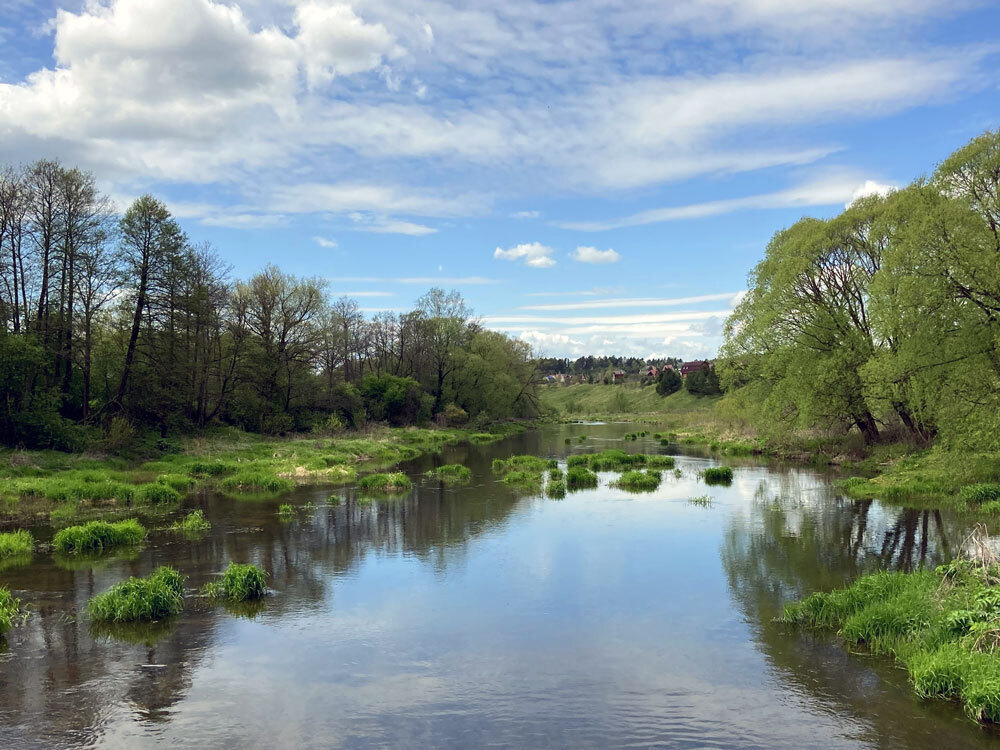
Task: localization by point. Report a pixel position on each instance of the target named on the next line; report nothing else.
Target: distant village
(616, 370)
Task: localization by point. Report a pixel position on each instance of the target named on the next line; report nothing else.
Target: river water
(474, 616)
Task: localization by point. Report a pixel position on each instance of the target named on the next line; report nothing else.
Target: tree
(703, 382)
(669, 381)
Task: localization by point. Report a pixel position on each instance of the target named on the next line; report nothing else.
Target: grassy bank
(627, 403)
(943, 627)
(68, 486)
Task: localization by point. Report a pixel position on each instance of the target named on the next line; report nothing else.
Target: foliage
(703, 382)
(158, 595)
(453, 473)
(395, 483)
(556, 488)
(193, 523)
(579, 478)
(717, 475)
(638, 481)
(238, 583)
(16, 543)
(257, 480)
(668, 382)
(98, 536)
(10, 608)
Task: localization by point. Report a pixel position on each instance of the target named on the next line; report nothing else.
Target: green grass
(10, 608)
(556, 474)
(156, 493)
(257, 481)
(556, 488)
(98, 536)
(717, 475)
(453, 474)
(238, 583)
(286, 512)
(638, 481)
(702, 501)
(194, 523)
(158, 595)
(16, 544)
(625, 402)
(580, 478)
(618, 460)
(943, 626)
(396, 482)
(524, 478)
(522, 463)
(178, 482)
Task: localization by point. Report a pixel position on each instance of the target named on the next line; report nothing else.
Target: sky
(595, 176)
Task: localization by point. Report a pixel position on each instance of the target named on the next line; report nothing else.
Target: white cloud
(386, 225)
(534, 254)
(324, 242)
(869, 187)
(526, 215)
(592, 255)
(335, 41)
(635, 302)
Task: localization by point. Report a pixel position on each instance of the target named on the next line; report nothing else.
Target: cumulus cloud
(534, 254)
(869, 187)
(592, 255)
(335, 41)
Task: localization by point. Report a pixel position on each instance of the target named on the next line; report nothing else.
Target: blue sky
(595, 176)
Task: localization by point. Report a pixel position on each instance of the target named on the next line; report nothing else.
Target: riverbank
(65, 487)
(895, 471)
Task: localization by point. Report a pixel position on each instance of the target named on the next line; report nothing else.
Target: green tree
(669, 381)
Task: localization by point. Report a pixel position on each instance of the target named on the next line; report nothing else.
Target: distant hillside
(606, 400)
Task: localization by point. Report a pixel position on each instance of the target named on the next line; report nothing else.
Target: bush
(454, 415)
(156, 493)
(638, 481)
(453, 473)
(16, 543)
(193, 523)
(154, 597)
(394, 482)
(578, 478)
(10, 607)
(717, 474)
(668, 382)
(388, 398)
(703, 382)
(238, 583)
(99, 536)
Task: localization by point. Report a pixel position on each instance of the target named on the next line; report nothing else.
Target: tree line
(884, 319)
(119, 319)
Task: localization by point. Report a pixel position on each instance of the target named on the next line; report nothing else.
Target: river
(475, 616)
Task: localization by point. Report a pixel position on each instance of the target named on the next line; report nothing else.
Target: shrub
(238, 583)
(556, 488)
(10, 607)
(578, 478)
(257, 480)
(98, 536)
(193, 523)
(16, 543)
(717, 475)
(453, 473)
(154, 597)
(156, 493)
(454, 415)
(638, 481)
(394, 482)
(669, 381)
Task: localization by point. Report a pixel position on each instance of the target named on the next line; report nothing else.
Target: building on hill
(699, 364)
(618, 376)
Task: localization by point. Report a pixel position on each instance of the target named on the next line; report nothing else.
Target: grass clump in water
(286, 512)
(10, 608)
(555, 474)
(257, 481)
(522, 463)
(193, 523)
(99, 536)
(178, 482)
(556, 488)
(579, 478)
(395, 482)
(16, 544)
(944, 627)
(238, 583)
(157, 493)
(453, 473)
(639, 481)
(717, 475)
(158, 595)
(980, 493)
(702, 501)
(523, 478)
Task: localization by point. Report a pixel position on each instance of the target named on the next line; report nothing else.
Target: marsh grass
(702, 501)
(194, 523)
(257, 481)
(18, 543)
(286, 512)
(98, 536)
(638, 481)
(394, 483)
(158, 595)
(943, 626)
(522, 463)
(556, 489)
(580, 478)
(524, 478)
(556, 474)
(238, 583)
(717, 475)
(10, 610)
(453, 474)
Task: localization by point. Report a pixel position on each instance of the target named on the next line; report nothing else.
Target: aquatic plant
(286, 512)
(578, 478)
(156, 493)
(556, 488)
(158, 595)
(394, 482)
(980, 493)
(522, 463)
(659, 462)
(98, 536)
(453, 473)
(703, 501)
(582, 438)
(238, 583)
(678, 473)
(10, 608)
(257, 480)
(16, 543)
(523, 478)
(638, 481)
(193, 523)
(577, 461)
(555, 474)
(178, 482)
(717, 475)
(482, 438)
